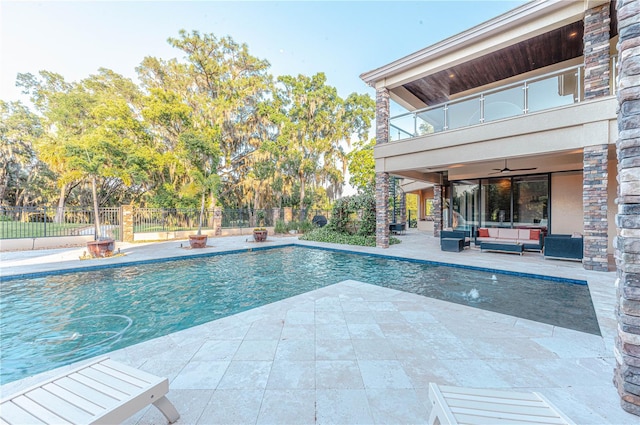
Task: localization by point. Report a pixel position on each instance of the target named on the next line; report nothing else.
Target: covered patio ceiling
(556, 162)
(555, 46)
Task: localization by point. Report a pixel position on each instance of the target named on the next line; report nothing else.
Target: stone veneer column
(217, 221)
(437, 209)
(382, 179)
(127, 223)
(275, 214)
(382, 210)
(597, 61)
(627, 243)
(594, 203)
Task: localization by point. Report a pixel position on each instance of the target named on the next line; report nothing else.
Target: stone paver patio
(355, 353)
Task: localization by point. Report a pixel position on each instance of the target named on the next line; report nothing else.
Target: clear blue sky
(342, 39)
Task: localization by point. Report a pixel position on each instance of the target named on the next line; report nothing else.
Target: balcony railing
(549, 91)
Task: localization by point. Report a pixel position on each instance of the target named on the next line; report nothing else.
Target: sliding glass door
(521, 201)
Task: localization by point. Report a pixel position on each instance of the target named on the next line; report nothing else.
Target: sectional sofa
(532, 239)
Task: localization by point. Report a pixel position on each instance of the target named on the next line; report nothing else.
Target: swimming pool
(55, 319)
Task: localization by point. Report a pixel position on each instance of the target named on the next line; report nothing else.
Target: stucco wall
(566, 203)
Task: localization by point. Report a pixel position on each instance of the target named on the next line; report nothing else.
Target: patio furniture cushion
(102, 392)
(532, 239)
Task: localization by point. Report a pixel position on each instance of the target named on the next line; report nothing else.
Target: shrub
(351, 209)
(280, 227)
(327, 235)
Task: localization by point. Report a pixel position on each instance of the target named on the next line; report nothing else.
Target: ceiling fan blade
(524, 169)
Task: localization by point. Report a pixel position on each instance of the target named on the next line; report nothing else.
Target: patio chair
(454, 405)
(102, 392)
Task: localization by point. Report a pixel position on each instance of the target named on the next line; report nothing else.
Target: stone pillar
(275, 214)
(127, 223)
(217, 221)
(382, 210)
(597, 61)
(627, 243)
(382, 179)
(594, 203)
(288, 214)
(403, 208)
(437, 209)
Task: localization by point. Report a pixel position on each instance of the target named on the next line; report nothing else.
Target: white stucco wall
(566, 203)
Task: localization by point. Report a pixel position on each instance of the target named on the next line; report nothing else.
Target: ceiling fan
(506, 169)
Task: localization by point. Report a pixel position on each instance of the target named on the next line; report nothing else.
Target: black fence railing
(40, 222)
(36, 222)
(147, 220)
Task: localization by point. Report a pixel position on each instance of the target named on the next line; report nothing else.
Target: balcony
(544, 92)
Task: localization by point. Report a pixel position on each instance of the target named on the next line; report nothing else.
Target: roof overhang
(522, 23)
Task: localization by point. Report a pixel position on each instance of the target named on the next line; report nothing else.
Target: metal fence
(309, 214)
(36, 222)
(169, 219)
(41, 222)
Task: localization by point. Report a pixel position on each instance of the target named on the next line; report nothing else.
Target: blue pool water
(57, 319)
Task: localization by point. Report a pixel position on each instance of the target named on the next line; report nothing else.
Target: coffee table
(517, 248)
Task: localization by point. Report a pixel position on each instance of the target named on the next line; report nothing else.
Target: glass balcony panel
(431, 121)
(551, 92)
(504, 104)
(464, 114)
(402, 127)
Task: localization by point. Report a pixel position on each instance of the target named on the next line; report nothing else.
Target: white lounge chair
(453, 405)
(102, 392)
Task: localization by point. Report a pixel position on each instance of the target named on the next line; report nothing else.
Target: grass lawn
(19, 229)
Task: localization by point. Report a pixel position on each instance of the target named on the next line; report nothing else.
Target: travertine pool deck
(354, 353)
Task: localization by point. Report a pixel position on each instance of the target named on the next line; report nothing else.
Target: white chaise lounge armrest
(101, 392)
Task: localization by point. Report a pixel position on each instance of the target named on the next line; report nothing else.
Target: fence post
(126, 223)
(275, 212)
(288, 214)
(44, 217)
(217, 221)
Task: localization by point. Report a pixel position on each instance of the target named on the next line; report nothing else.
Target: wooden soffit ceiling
(553, 47)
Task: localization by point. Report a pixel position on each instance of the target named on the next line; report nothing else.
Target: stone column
(127, 223)
(217, 221)
(288, 214)
(437, 210)
(403, 208)
(275, 214)
(597, 61)
(382, 210)
(382, 179)
(627, 243)
(594, 203)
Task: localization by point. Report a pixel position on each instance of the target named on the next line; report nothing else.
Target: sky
(343, 39)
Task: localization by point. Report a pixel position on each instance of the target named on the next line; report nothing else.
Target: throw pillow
(535, 234)
(483, 233)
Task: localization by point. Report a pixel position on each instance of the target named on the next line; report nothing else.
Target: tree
(92, 131)
(18, 164)
(314, 126)
(362, 166)
(223, 87)
(200, 151)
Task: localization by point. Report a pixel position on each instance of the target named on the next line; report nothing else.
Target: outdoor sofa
(569, 247)
(531, 239)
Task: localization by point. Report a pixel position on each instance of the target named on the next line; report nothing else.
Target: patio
(357, 353)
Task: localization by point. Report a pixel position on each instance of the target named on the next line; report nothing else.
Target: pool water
(57, 319)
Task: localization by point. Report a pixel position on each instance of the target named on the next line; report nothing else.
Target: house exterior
(512, 123)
